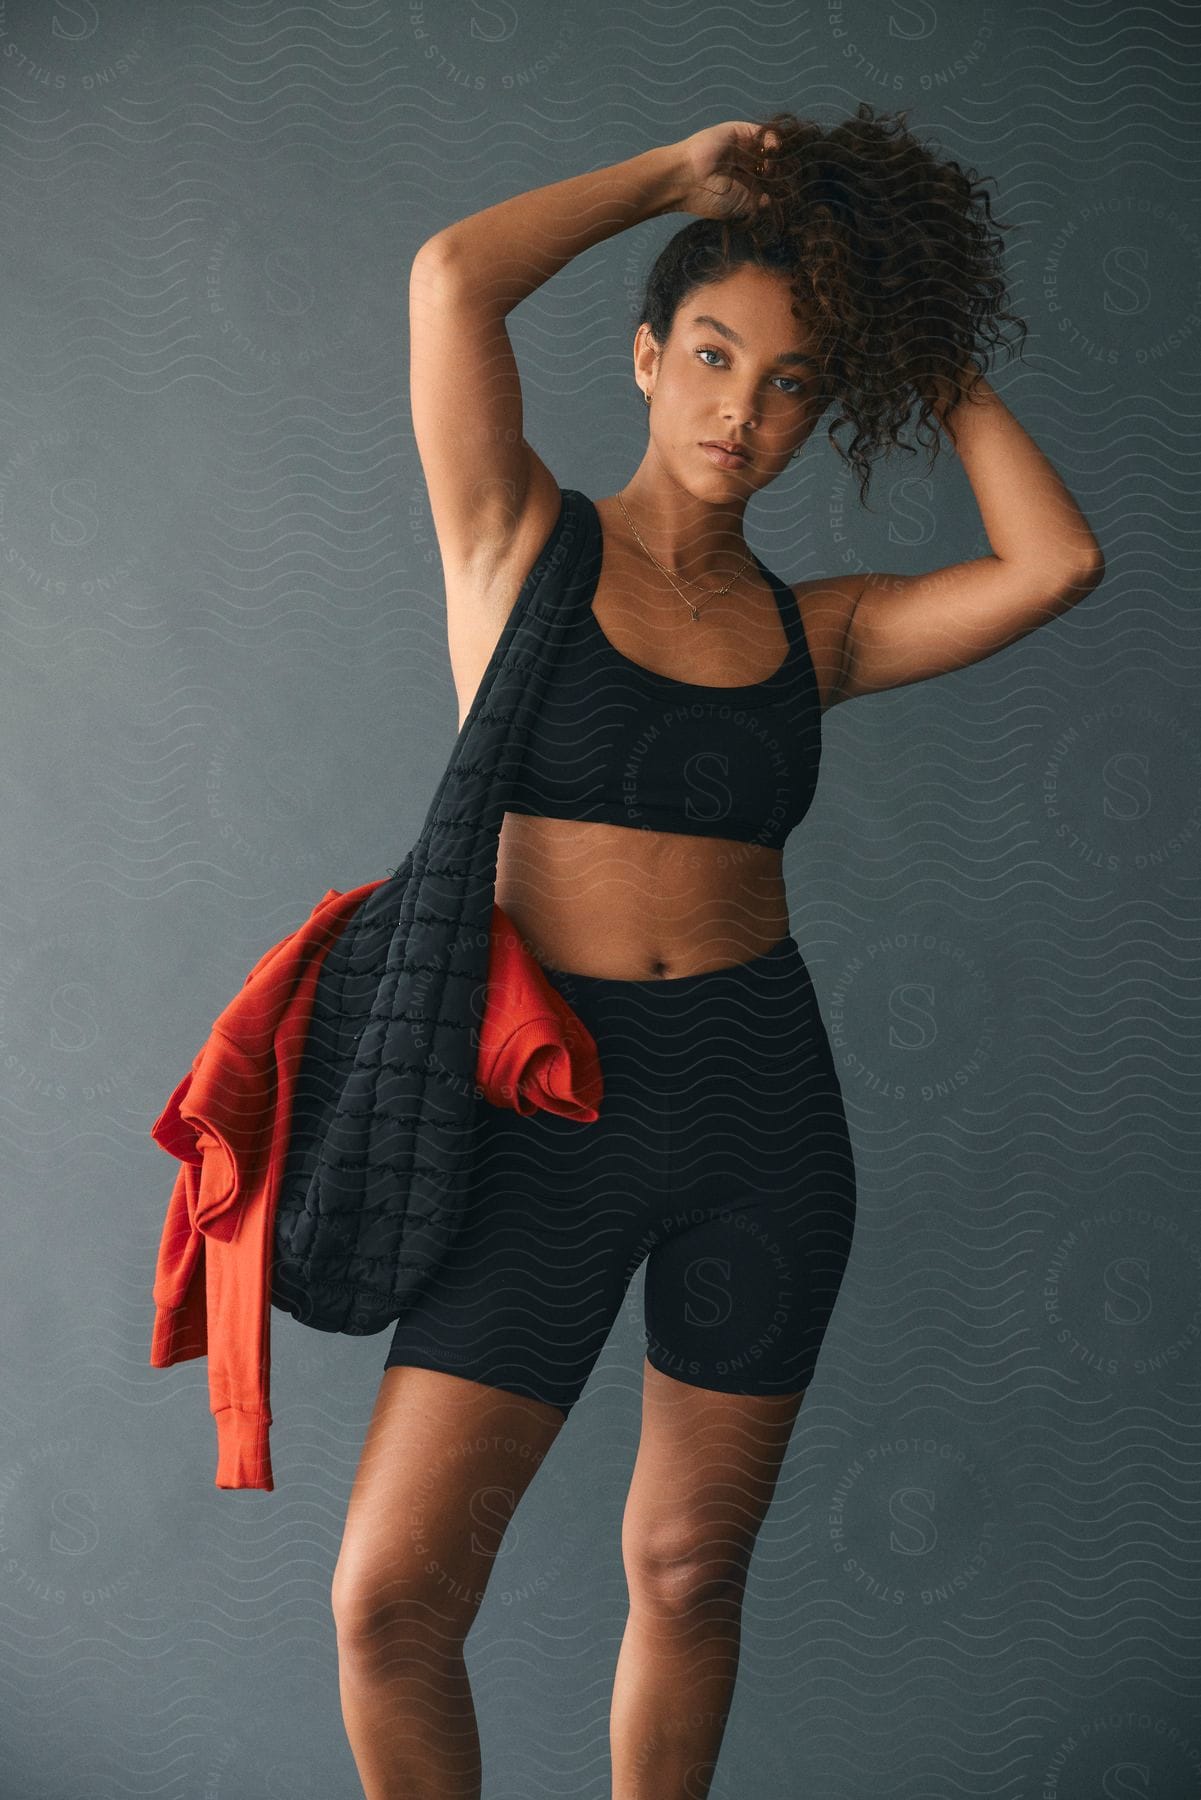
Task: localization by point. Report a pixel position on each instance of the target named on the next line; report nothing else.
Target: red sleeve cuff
(243, 1453)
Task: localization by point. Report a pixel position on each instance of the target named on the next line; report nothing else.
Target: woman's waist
(627, 905)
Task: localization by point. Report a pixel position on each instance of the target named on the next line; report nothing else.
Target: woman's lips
(723, 459)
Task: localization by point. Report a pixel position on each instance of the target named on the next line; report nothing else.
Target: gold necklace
(714, 594)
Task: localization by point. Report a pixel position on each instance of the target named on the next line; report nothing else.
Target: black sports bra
(619, 744)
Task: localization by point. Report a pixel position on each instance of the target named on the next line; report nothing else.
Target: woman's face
(720, 375)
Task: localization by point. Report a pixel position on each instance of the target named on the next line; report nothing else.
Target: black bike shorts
(720, 1157)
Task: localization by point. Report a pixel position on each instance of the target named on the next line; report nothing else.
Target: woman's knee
(677, 1569)
(392, 1613)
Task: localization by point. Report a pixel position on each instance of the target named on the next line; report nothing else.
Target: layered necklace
(713, 594)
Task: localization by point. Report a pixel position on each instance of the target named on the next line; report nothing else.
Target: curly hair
(893, 260)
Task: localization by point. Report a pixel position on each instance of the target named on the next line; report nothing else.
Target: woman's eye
(795, 385)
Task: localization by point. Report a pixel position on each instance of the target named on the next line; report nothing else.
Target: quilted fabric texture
(386, 1099)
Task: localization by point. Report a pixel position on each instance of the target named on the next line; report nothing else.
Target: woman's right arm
(516, 245)
(465, 391)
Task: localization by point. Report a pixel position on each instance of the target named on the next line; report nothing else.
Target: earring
(646, 396)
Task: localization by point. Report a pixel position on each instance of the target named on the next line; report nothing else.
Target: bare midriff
(632, 905)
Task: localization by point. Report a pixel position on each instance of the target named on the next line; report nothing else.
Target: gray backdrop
(226, 688)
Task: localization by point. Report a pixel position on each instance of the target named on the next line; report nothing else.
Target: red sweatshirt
(228, 1123)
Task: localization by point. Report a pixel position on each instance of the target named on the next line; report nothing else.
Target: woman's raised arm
(490, 493)
(464, 385)
(513, 247)
(1044, 559)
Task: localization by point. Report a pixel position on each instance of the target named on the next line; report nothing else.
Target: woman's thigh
(554, 1227)
(742, 1280)
(443, 1467)
(706, 1471)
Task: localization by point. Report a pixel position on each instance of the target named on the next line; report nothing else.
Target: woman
(641, 859)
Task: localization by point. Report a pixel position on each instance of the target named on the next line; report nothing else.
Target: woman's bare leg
(444, 1464)
(703, 1480)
